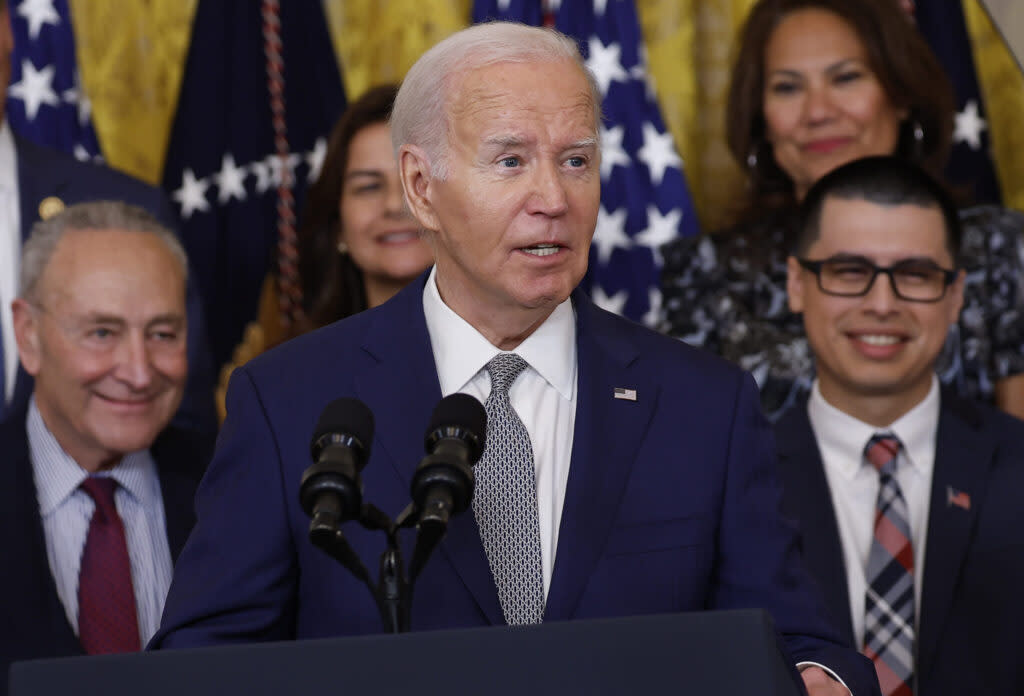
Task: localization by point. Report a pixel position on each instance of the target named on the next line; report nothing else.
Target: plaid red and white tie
(889, 605)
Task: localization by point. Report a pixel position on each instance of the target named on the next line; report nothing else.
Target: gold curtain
(1002, 88)
(690, 49)
(131, 56)
(378, 40)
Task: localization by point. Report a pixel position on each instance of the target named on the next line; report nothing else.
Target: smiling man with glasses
(908, 495)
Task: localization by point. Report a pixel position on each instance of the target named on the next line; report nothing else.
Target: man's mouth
(879, 339)
(542, 249)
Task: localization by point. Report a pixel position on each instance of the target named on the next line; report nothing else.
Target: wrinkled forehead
(126, 267)
(511, 86)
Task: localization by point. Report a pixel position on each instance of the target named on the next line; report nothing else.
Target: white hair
(95, 215)
(420, 114)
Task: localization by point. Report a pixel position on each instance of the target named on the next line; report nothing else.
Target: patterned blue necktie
(889, 605)
(505, 500)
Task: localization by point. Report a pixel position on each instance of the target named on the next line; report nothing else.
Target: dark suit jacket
(971, 601)
(33, 623)
(671, 503)
(42, 173)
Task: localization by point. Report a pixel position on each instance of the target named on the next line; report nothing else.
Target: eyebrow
(98, 318)
(171, 318)
(583, 144)
(512, 141)
(831, 68)
(94, 318)
(355, 173)
(844, 256)
(505, 141)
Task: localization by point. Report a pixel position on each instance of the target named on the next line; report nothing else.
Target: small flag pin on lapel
(958, 498)
(627, 394)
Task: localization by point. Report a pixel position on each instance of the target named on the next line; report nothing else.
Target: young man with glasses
(908, 496)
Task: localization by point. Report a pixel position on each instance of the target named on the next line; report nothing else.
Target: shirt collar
(840, 432)
(57, 475)
(460, 351)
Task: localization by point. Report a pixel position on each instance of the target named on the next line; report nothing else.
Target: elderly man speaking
(637, 472)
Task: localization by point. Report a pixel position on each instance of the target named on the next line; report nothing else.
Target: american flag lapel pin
(957, 497)
(625, 394)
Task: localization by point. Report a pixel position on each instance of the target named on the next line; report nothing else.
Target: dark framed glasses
(914, 280)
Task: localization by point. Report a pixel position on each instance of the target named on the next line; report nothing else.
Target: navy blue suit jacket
(671, 503)
(971, 601)
(43, 172)
(33, 623)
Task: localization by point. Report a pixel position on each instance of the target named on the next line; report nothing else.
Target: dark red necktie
(107, 622)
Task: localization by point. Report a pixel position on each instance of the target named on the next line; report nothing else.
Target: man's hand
(818, 683)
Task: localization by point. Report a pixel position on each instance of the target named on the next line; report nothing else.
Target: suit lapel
(608, 434)
(401, 388)
(963, 455)
(38, 606)
(806, 497)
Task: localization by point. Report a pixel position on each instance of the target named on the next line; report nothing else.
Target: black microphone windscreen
(346, 416)
(462, 410)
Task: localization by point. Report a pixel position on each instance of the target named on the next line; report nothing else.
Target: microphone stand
(393, 591)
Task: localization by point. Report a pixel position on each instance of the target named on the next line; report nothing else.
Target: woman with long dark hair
(816, 84)
(358, 245)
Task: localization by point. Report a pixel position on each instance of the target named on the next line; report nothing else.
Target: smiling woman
(358, 244)
(817, 84)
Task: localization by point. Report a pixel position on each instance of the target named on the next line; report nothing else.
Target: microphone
(443, 484)
(331, 491)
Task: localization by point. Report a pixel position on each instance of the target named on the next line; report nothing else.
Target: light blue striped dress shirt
(66, 511)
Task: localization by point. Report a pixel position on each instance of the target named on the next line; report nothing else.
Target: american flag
(247, 138)
(645, 202)
(970, 163)
(45, 100)
(958, 498)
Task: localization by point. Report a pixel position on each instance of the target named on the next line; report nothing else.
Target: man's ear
(26, 333)
(794, 285)
(956, 297)
(417, 182)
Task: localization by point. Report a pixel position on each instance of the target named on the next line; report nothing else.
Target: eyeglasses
(914, 280)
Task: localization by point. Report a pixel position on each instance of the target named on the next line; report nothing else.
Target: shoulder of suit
(981, 416)
(90, 174)
(652, 344)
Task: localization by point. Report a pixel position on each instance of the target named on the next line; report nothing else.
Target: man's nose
(134, 363)
(881, 296)
(549, 197)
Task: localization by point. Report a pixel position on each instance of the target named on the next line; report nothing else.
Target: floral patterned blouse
(727, 293)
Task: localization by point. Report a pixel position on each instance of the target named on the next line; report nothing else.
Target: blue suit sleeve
(759, 560)
(235, 579)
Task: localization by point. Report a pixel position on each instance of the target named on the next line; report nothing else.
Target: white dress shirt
(66, 511)
(854, 484)
(10, 253)
(544, 395)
